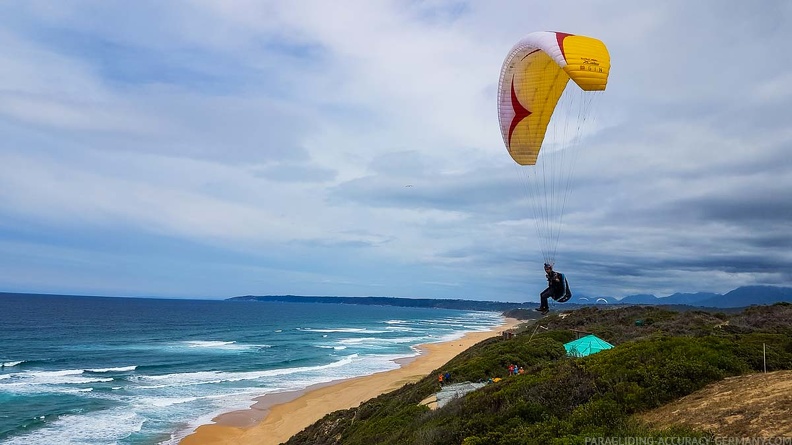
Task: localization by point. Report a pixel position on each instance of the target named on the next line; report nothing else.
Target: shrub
(564, 400)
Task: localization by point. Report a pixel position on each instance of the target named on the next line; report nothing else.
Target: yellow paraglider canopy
(542, 115)
(533, 77)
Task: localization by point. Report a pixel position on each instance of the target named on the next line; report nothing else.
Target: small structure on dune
(590, 344)
(456, 390)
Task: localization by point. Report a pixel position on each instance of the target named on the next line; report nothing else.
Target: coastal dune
(273, 419)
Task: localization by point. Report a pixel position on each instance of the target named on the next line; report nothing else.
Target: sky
(210, 149)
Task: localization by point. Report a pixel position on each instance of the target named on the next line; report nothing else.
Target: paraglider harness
(559, 290)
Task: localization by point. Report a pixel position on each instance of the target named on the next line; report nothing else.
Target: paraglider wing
(542, 115)
(534, 75)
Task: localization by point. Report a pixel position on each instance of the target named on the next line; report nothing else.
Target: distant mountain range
(475, 305)
(740, 297)
(737, 298)
(678, 298)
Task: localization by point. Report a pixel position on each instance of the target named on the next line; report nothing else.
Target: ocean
(96, 370)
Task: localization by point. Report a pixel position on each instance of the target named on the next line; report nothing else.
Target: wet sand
(274, 418)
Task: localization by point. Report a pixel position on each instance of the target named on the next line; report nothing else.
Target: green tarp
(456, 390)
(590, 344)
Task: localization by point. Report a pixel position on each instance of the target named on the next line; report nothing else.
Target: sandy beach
(275, 418)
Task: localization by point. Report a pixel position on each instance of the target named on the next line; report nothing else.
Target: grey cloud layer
(361, 155)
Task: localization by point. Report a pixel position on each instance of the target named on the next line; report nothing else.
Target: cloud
(353, 149)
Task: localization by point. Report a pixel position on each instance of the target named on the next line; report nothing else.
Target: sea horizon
(137, 370)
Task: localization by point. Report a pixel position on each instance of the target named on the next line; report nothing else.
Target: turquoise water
(91, 370)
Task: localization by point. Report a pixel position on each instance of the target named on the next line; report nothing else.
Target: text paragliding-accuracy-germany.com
(688, 441)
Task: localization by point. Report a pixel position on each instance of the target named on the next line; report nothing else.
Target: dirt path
(754, 405)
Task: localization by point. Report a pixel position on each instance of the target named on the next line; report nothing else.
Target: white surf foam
(398, 329)
(163, 402)
(222, 345)
(109, 426)
(376, 341)
(214, 377)
(332, 330)
(210, 344)
(49, 378)
(121, 369)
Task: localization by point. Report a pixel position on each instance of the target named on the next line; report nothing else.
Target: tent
(590, 344)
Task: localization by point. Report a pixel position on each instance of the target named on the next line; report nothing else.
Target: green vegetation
(564, 400)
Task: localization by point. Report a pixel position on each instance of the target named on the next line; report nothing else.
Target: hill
(473, 305)
(565, 400)
(754, 405)
(747, 295)
(740, 297)
(678, 298)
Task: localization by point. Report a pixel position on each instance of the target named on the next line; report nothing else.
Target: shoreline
(274, 418)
